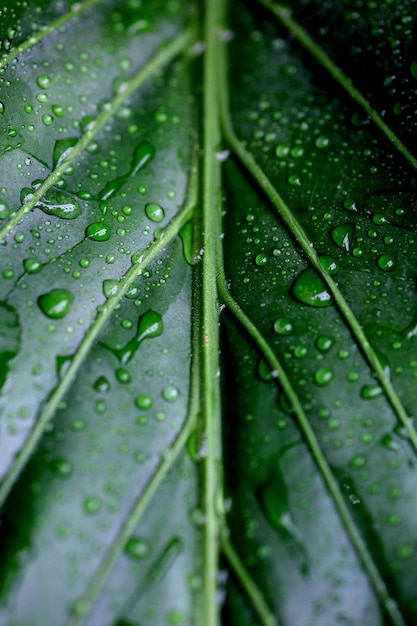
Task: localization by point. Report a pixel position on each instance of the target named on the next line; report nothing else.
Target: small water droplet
(61, 467)
(324, 343)
(323, 376)
(137, 548)
(102, 385)
(92, 505)
(283, 326)
(261, 259)
(170, 393)
(144, 401)
(56, 303)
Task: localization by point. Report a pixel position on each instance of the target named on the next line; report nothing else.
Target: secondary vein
(156, 62)
(284, 16)
(91, 335)
(368, 563)
(307, 246)
(77, 9)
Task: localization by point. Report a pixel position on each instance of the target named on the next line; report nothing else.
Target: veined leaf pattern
(208, 314)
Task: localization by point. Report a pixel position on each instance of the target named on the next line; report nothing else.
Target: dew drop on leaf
(283, 326)
(144, 401)
(56, 303)
(310, 289)
(386, 262)
(324, 343)
(32, 266)
(170, 393)
(102, 385)
(154, 212)
(92, 505)
(323, 376)
(137, 548)
(342, 236)
(98, 231)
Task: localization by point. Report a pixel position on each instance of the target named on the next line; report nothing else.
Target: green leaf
(207, 314)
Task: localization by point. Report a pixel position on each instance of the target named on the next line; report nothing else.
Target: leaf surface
(208, 313)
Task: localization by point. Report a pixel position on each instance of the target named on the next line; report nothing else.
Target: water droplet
(154, 212)
(350, 205)
(322, 142)
(61, 467)
(273, 496)
(92, 505)
(368, 392)
(98, 231)
(324, 343)
(55, 202)
(150, 325)
(310, 289)
(56, 303)
(264, 371)
(283, 326)
(323, 376)
(142, 156)
(137, 548)
(144, 401)
(62, 149)
(261, 259)
(386, 262)
(43, 81)
(1, 108)
(4, 210)
(170, 393)
(9, 338)
(110, 287)
(282, 150)
(123, 375)
(343, 235)
(102, 385)
(329, 264)
(32, 266)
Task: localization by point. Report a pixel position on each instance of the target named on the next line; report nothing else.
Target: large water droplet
(98, 231)
(62, 149)
(56, 303)
(150, 325)
(154, 212)
(55, 202)
(310, 289)
(143, 155)
(343, 235)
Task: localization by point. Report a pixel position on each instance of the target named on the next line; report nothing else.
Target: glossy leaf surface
(208, 314)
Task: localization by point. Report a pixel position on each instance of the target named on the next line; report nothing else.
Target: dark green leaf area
(375, 46)
(105, 444)
(281, 515)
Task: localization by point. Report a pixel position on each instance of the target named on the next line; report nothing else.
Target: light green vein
(284, 16)
(376, 579)
(77, 9)
(211, 405)
(307, 247)
(149, 254)
(156, 62)
(169, 456)
(248, 584)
